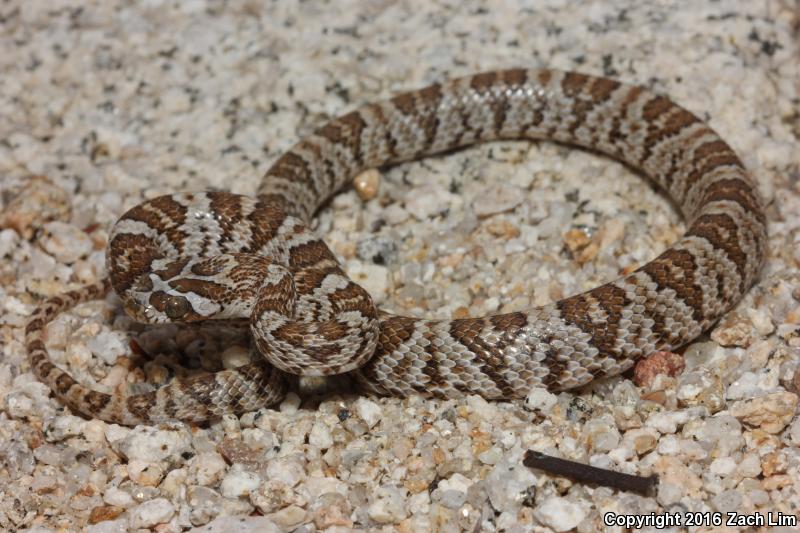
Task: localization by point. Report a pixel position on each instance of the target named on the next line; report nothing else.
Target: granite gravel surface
(105, 104)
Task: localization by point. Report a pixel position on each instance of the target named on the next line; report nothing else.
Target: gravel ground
(105, 104)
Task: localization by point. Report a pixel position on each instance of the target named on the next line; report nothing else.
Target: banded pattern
(188, 257)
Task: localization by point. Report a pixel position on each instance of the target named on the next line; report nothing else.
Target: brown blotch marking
(171, 269)
(163, 214)
(405, 103)
(611, 299)
(709, 156)
(602, 88)
(308, 279)
(735, 190)
(431, 368)
(484, 81)
(140, 405)
(581, 107)
(576, 311)
(675, 269)
(279, 300)
(615, 134)
(573, 83)
(346, 131)
(394, 331)
(675, 157)
(721, 231)
(318, 160)
(352, 298)
(510, 322)
(332, 330)
(265, 220)
(36, 344)
(677, 120)
(467, 332)
(227, 209)
(33, 325)
(293, 333)
(486, 84)
(135, 250)
(63, 383)
(309, 254)
(208, 289)
(208, 267)
(429, 122)
(294, 168)
(391, 142)
(544, 77)
(656, 107)
(45, 368)
(97, 401)
(515, 76)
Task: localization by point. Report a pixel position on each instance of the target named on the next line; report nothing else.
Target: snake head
(152, 300)
(220, 287)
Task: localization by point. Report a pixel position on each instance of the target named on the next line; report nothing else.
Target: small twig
(589, 474)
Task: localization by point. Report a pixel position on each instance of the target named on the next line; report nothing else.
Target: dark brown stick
(589, 474)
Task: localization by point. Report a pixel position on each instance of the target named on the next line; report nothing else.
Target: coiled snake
(195, 256)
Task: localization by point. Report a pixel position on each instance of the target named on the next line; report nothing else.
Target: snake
(195, 256)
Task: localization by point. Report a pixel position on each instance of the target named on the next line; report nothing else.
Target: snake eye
(175, 307)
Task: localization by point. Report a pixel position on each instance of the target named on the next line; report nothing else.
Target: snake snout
(136, 311)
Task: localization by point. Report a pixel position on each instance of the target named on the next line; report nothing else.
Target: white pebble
(289, 517)
(151, 513)
(235, 356)
(749, 466)
(394, 214)
(430, 200)
(388, 505)
(723, 466)
(118, 497)
(560, 514)
(208, 468)
(259, 439)
(108, 346)
(771, 412)
(484, 409)
(668, 445)
(509, 483)
(761, 321)
(290, 404)
(65, 242)
(491, 456)
(541, 399)
(320, 436)
(497, 198)
(240, 524)
(289, 470)
(151, 444)
(456, 482)
(119, 525)
(239, 482)
(369, 411)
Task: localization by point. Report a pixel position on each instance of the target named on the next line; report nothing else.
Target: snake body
(196, 256)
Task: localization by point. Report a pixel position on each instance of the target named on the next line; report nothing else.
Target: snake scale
(195, 256)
